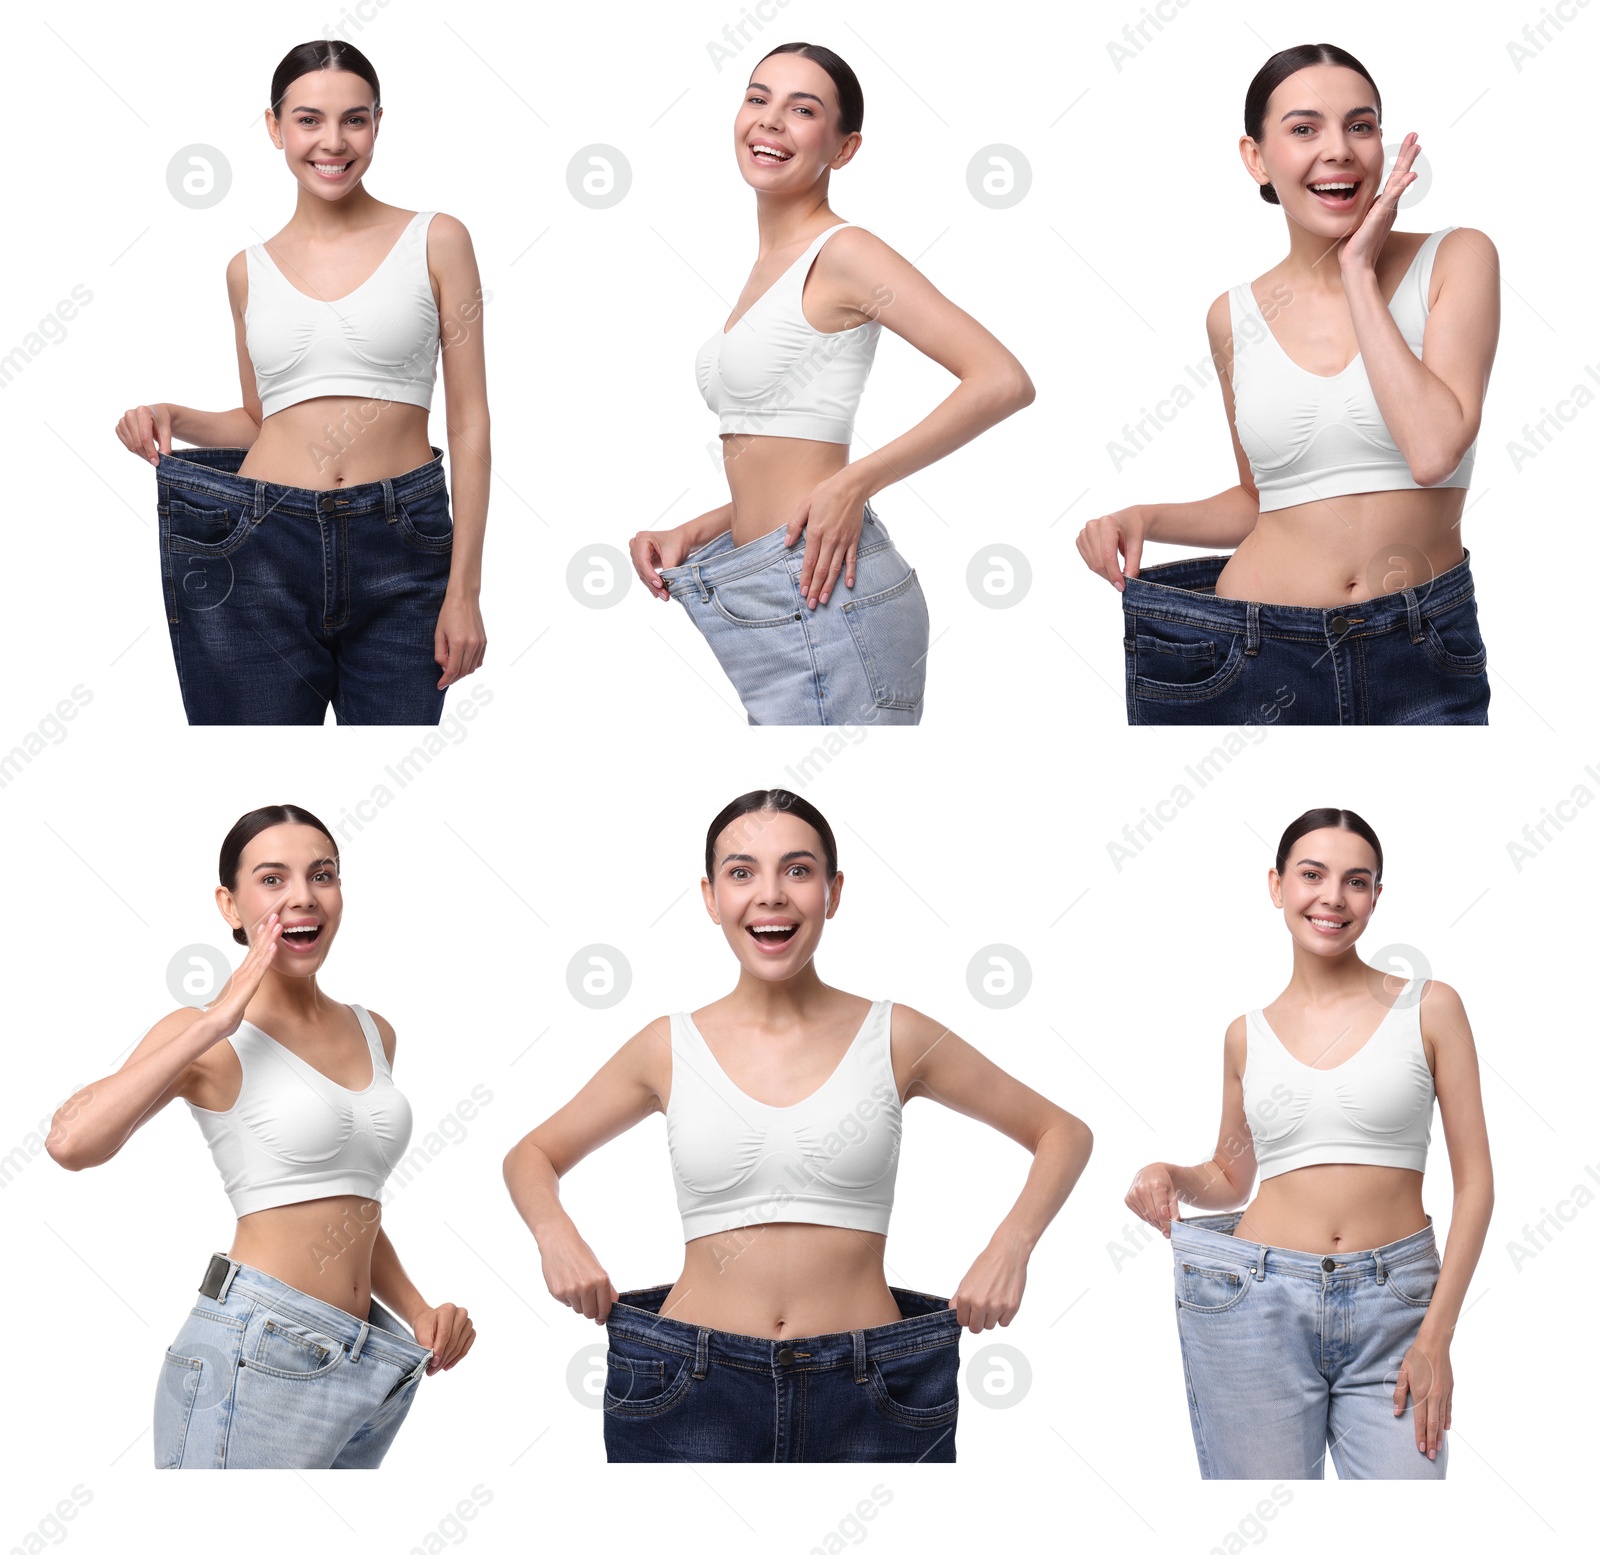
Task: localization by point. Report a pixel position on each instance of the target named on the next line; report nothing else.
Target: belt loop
(702, 1345)
(1377, 1258)
(233, 1269)
(1252, 627)
(700, 584)
(388, 501)
(261, 502)
(1261, 1265)
(1413, 615)
(858, 1347)
(361, 1339)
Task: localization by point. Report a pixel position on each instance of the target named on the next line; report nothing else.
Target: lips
(1335, 194)
(769, 154)
(1324, 924)
(301, 936)
(772, 935)
(331, 169)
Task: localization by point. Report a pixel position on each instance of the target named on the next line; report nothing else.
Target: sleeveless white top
(380, 341)
(1308, 437)
(294, 1134)
(1374, 1109)
(828, 1160)
(773, 375)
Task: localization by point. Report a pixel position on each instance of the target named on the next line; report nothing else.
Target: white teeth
(303, 928)
(330, 167)
(772, 153)
(1333, 188)
(770, 928)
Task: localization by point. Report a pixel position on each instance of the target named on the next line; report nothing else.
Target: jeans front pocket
(202, 526)
(1212, 1287)
(1413, 1282)
(1172, 661)
(643, 1382)
(424, 521)
(293, 1351)
(890, 631)
(1453, 642)
(765, 597)
(918, 1387)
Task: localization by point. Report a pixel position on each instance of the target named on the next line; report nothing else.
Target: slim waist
(383, 1334)
(927, 1321)
(1210, 1236)
(1182, 591)
(214, 472)
(721, 561)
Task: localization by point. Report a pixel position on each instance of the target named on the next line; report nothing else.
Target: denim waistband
(383, 1336)
(1209, 1234)
(721, 561)
(213, 472)
(929, 1320)
(1178, 591)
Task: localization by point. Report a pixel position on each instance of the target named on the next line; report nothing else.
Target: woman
(1320, 1314)
(307, 551)
(785, 375)
(1355, 392)
(783, 1110)
(288, 1359)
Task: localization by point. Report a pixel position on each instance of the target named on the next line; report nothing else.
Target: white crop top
(773, 375)
(380, 341)
(1308, 437)
(828, 1160)
(293, 1134)
(1374, 1109)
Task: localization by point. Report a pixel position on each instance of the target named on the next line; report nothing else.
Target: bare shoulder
(219, 1063)
(1466, 255)
(385, 1034)
(448, 237)
(1236, 1041)
(914, 1034)
(1441, 1007)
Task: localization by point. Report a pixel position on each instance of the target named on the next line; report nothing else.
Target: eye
(737, 872)
(800, 869)
(810, 113)
(272, 880)
(307, 120)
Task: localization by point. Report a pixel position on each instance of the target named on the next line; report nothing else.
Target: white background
(571, 810)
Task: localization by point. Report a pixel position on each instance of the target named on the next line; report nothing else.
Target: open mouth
(1337, 194)
(332, 169)
(302, 936)
(1327, 925)
(771, 156)
(772, 936)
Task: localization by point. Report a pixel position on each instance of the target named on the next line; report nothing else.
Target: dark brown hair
(771, 799)
(1317, 820)
(852, 106)
(247, 828)
(322, 54)
(1276, 71)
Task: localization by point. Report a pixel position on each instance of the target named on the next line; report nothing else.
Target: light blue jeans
(859, 659)
(1289, 1354)
(267, 1377)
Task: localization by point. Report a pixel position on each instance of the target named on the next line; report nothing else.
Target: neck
(781, 219)
(794, 1001)
(326, 219)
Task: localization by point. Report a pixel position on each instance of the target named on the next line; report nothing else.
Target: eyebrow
(307, 108)
(1360, 869)
(315, 864)
(1314, 113)
(749, 858)
(756, 86)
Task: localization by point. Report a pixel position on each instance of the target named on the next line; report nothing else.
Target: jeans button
(1340, 625)
(1328, 1266)
(786, 1356)
(328, 504)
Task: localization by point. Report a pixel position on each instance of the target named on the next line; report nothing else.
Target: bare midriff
(322, 1247)
(338, 440)
(1335, 1209)
(783, 1280)
(770, 477)
(1346, 549)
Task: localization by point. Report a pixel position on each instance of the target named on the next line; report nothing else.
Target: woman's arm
(1221, 1183)
(149, 430)
(460, 637)
(881, 284)
(1432, 407)
(1426, 1369)
(1224, 520)
(625, 1090)
(952, 1072)
(445, 1329)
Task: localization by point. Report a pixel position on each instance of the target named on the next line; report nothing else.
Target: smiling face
(771, 892)
(326, 128)
(788, 131)
(1327, 890)
(1321, 148)
(291, 870)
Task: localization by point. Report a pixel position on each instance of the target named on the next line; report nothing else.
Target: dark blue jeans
(1414, 657)
(678, 1393)
(283, 599)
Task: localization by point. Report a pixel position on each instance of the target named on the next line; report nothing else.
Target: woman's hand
(1362, 247)
(831, 518)
(146, 430)
(229, 1005)
(575, 1278)
(459, 639)
(447, 1331)
(1425, 1373)
(991, 1290)
(1153, 1196)
(1102, 539)
(653, 549)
